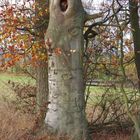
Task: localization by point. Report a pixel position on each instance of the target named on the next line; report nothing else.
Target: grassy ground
(23, 123)
(96, 93)
(6, 92)
(21, 78)
(18, 126)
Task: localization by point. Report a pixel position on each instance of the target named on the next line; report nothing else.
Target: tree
(64, 41)
(23, 27)
(41, 24)
(134, 18)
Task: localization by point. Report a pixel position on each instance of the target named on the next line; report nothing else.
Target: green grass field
(6, 92)
(96, 92)
(20, 78)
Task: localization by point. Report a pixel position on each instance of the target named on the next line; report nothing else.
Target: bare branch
(94, 16)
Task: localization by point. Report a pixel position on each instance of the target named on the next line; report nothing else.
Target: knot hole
(63, 5)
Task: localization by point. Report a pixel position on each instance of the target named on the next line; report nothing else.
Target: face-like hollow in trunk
(63, 5)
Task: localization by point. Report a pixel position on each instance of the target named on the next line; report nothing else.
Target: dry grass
(118, 136)
(13, 124)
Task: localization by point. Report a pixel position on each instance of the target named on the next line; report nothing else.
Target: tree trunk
(42, 91)
(64, 40)
(134, 18)
(41, 24)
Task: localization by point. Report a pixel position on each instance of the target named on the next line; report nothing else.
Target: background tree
(134, 18)
(22, 28)
(41, 24)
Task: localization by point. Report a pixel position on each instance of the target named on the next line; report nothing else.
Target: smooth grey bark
(64, 40)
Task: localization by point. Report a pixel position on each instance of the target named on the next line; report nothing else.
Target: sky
(93, 6)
